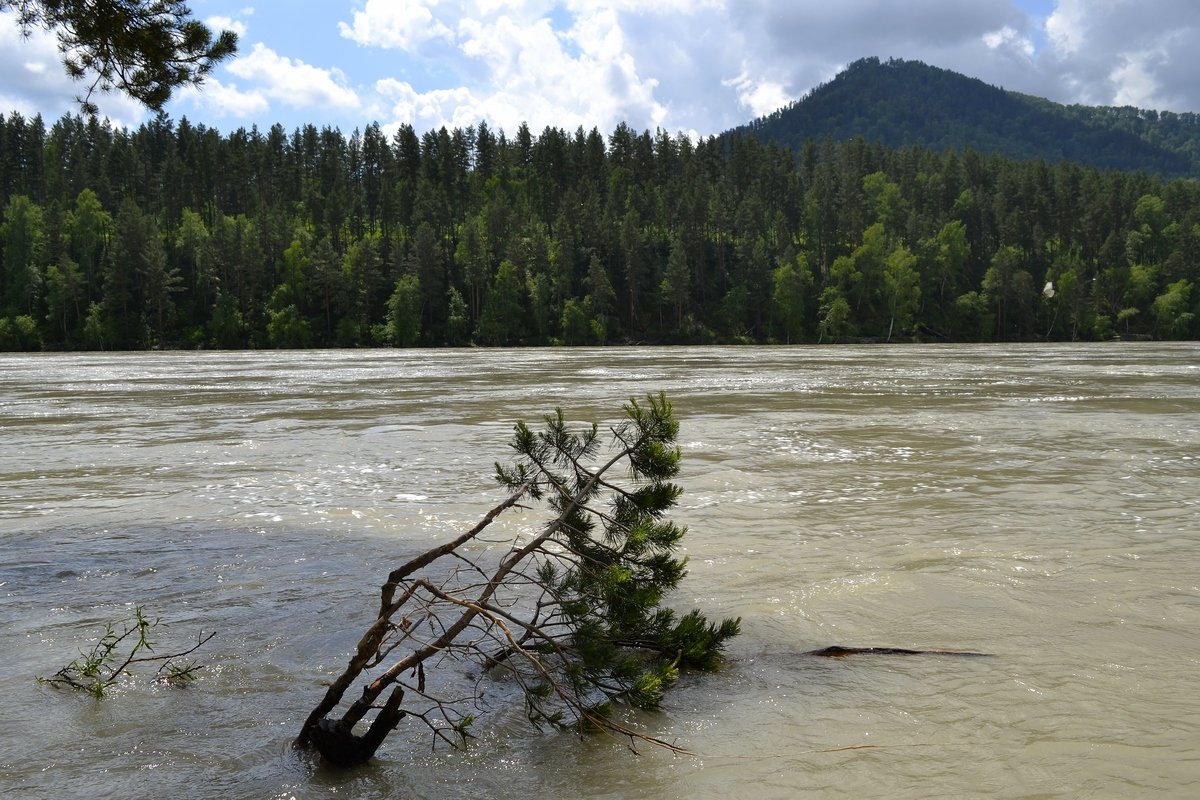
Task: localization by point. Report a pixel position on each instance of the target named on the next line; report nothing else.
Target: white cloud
(293, 82)
(1007, 37)
(699, 65)
(515, 61)
(426, 110)
(218, 24)
(1134, 81)
(645, 7)
(759, 97)
(1064, 27)
(32, 68)
(1123, 52)
(225, 100)
(403, 25)
(36, 83)
(708, 65)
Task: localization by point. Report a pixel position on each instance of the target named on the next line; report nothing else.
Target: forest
(176, 235)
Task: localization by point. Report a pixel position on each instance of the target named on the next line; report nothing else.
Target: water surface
(1041, 503)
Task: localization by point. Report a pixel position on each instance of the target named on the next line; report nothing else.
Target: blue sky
(692, 66)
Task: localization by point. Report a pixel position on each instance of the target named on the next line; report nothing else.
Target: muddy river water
(1039, 503)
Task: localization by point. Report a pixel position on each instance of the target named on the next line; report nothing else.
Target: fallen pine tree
(571, 613)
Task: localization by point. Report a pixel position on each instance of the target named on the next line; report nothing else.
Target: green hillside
(898, 103)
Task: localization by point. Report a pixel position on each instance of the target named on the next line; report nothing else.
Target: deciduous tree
(404, 312)
(901, 287)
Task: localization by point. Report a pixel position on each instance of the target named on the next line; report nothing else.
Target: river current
(1038, 503)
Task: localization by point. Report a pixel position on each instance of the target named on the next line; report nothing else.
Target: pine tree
(676, 282)
(145, 48)
(572, 614)
(502, 321)
(791, 286)
(901, 287)
(23, 244)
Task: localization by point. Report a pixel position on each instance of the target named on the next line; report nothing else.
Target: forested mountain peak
(898, 103)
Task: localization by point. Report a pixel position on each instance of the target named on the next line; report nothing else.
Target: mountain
(899, 103)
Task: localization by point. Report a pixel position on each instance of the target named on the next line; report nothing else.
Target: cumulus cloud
(683, 64)
(515, 61)
(238, 26)
(385, 23)
(709, 65)
(36, 83)
(226, 101)
(31, 66)
(1124, 52)
(1134, 80)
(425, 110)
(1065, 26)
(759, 97)
(700, 66)
(293, 82)
(1008, 37)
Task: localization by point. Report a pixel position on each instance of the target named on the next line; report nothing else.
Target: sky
(696, 67)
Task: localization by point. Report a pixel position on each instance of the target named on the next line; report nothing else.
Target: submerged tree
(115, 655)
(570, 615)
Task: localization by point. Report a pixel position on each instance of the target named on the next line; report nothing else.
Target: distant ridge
(899, 103)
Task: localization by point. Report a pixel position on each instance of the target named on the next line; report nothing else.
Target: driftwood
(837, 651)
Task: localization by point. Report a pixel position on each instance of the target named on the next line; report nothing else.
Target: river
(1040, 503)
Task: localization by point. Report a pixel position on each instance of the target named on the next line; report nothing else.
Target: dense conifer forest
(177, 235)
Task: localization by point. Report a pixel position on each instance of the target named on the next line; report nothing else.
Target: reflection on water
(1039, 503)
